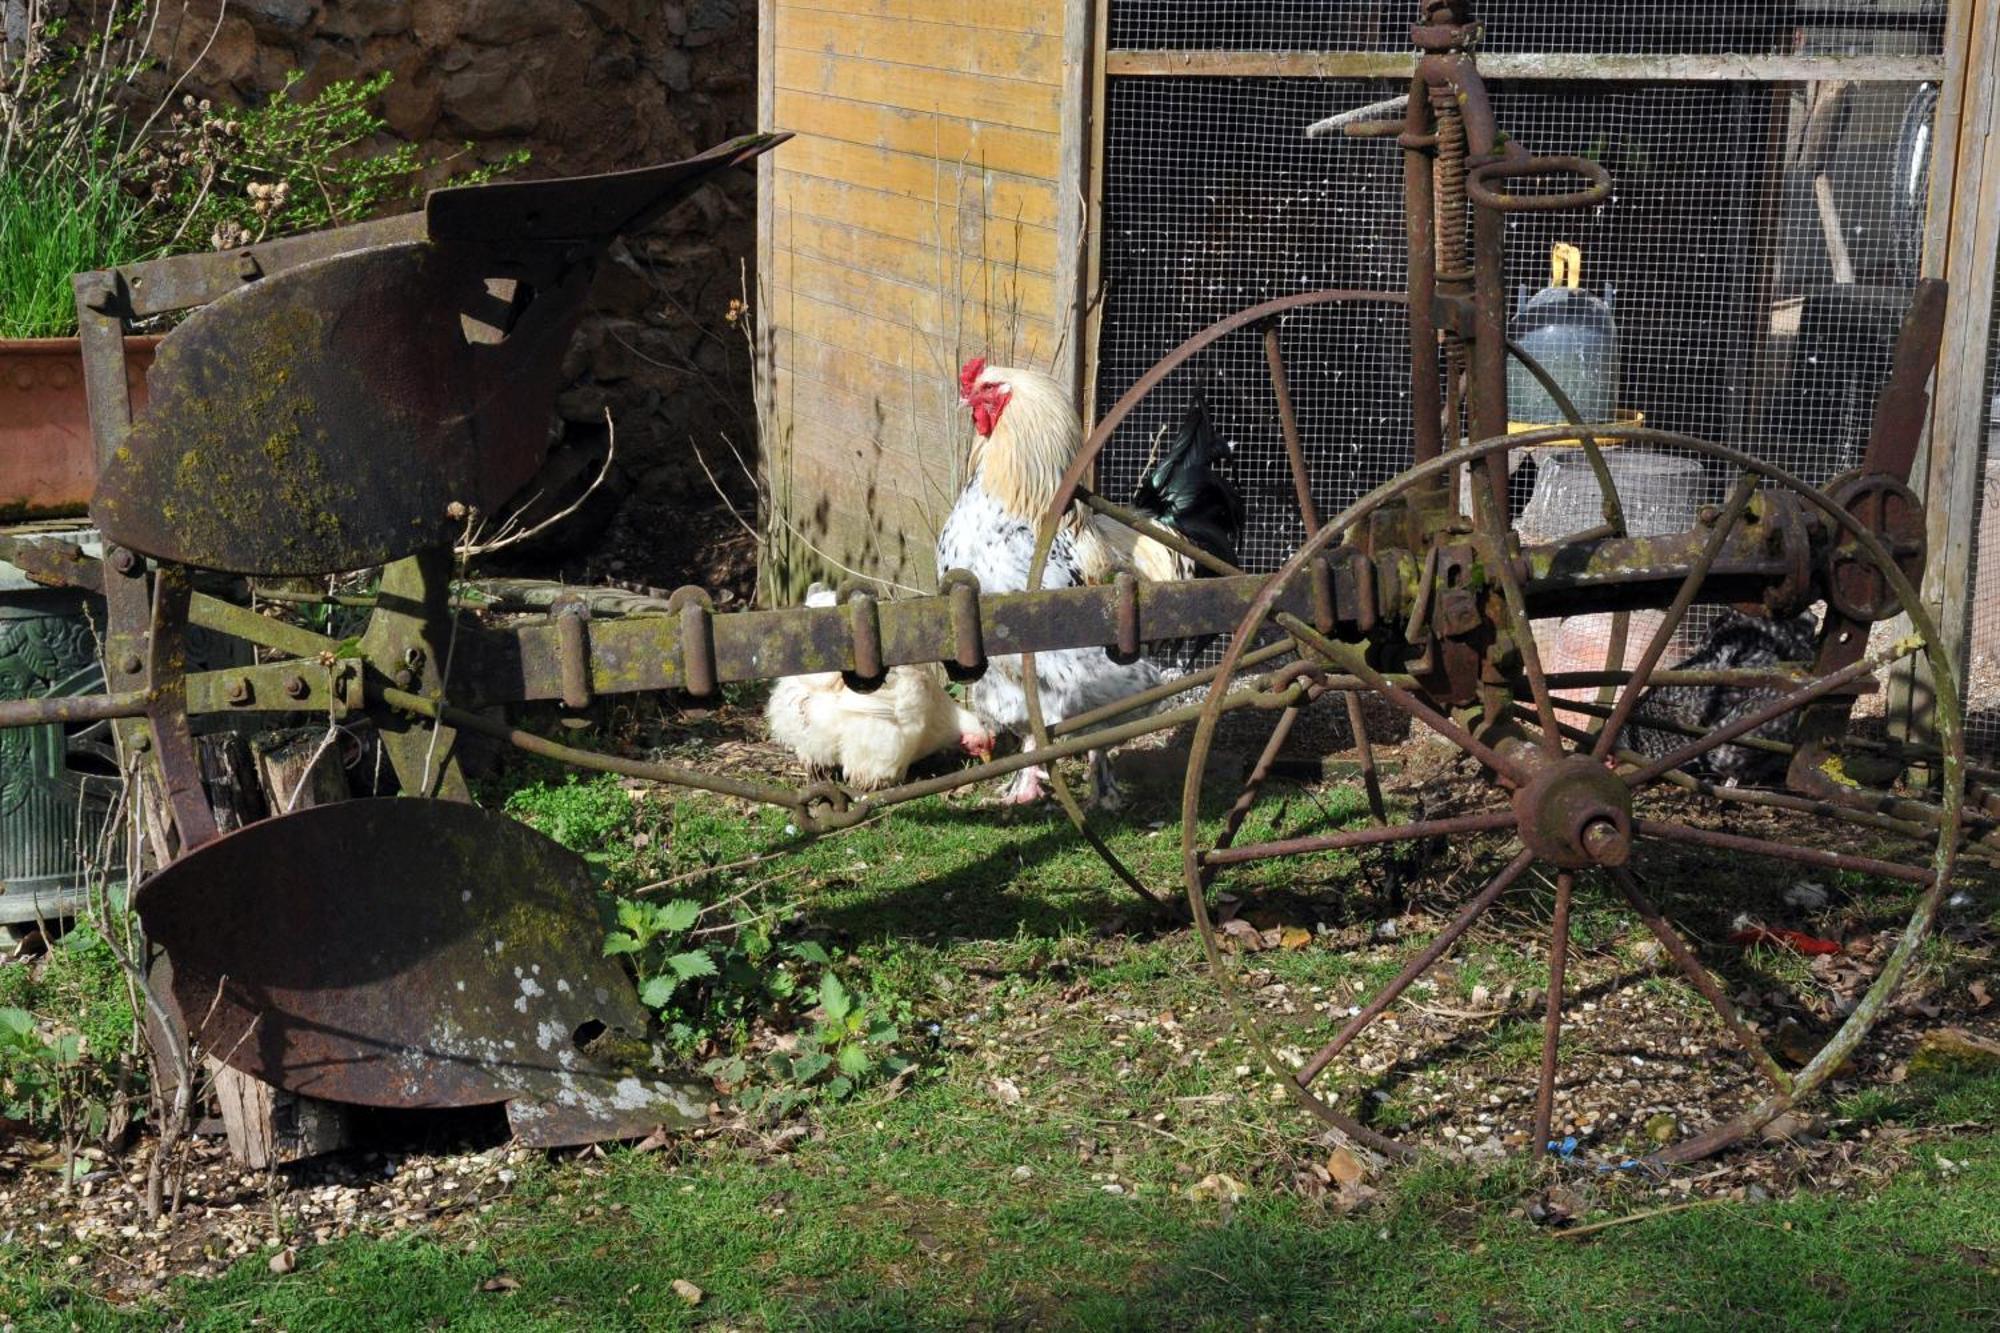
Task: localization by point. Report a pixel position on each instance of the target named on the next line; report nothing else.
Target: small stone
(1663, 1128)
(1954, 1051)
(688, 1291)
(284, 1261)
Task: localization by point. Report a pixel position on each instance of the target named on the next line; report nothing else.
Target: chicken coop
(1083, 186)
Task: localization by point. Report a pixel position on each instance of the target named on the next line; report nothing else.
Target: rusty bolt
(247, 267)
(142, 742)
(99, 292)
(1605, 845)
(1709, 515)
(296, 687)
(131, 664)
(405, 678)
(126, 562)
(238, 690)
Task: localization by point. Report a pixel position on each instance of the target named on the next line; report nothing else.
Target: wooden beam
(1072, 216)
(1552, 65)
(1964, 235)
(1092, 309)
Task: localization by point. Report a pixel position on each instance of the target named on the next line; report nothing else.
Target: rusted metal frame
(1418, 142)
(1353, 660)
(463, 719)
(1656, 648)
(1748, 678)
(1260, 773)
(1415, 968)
(1819, 859)
(410, 638)
(649, 652)
(101, 310)
(1348, 839)
(55, 563)
(53, 709)
(1496, 533)
(1894, 436)
(1777, 708)
(1545, 1085)
(182, 282)
(173, 741)
(1288, 423)
(241, 622)
(1700, 978)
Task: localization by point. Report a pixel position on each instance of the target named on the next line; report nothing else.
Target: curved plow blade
(410, 953)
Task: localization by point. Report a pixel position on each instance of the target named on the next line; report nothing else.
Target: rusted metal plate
(580, 208)
(409, 953)
(328, 418)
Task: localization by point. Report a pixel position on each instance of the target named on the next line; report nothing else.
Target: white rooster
(871, 739)
(1026, 433)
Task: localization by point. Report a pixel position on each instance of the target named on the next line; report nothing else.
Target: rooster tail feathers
(1186, 491)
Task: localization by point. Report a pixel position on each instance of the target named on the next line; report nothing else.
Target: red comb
(969, 375)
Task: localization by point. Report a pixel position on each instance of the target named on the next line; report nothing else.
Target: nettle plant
(714, 986)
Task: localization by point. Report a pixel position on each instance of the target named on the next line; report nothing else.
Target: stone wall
(595, 85)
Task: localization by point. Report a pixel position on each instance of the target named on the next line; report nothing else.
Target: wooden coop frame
(940, 139)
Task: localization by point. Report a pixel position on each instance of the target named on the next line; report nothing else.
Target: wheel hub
(1575, 813)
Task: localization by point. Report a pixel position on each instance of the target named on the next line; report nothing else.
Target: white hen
(870, 739)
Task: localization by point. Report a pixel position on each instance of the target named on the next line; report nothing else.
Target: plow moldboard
(408, 953)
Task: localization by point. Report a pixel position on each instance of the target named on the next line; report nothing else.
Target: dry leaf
(688, 1291)
(284, 1261)
(1005, 1091)
(1346, 1168)
(1980, 997)
(1246, 935)
(1294, 938)
(501, 1282)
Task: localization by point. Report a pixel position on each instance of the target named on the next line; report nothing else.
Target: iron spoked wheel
(1571, 809)
(1265, 315)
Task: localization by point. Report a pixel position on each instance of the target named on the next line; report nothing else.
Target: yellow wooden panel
(941, 322)
(925, 400)
(948, 139)
(904, 348)
(1003, 199)
(1009, 244)
(930, 277)
(1027, 57)
(1005, 15)
(997, 101)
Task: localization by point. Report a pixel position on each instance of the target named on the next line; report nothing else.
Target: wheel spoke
(1739, 500)
(1714, 840)
(1225, 855)
(1364, 752)
(1777, 708)
(1288, 423)
(1417, 966)
(1702, 979)
(1261, 772)
(1545, 1089)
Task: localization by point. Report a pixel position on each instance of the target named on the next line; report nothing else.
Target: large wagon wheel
(1266, 317)
(1568, 799)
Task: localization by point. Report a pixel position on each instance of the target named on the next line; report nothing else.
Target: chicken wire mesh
(1757, 255)
(1706, 27)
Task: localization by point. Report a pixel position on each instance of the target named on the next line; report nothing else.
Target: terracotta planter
(48, 464)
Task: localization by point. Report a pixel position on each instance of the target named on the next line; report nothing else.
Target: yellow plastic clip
(1565, 265)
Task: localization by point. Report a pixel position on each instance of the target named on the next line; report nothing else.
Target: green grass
(948, 1207)
(914, 1215)
(52, 226)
